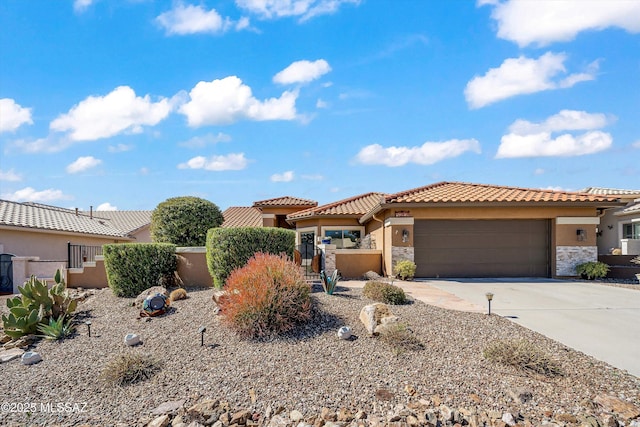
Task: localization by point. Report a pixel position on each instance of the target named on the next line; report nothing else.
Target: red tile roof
(452, 192)
(287, 201)
(353, 206)
(240, 216)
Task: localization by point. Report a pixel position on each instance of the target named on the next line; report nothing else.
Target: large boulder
(376, 317)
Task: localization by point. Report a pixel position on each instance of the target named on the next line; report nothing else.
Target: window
(631, 231)
(344, 239)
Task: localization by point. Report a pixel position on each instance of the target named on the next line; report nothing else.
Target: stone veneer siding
(328, 257)
(400, 253)
(568, 257)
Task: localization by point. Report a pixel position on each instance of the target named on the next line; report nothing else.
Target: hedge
(184, 221)
(134, 267)
(231, 248)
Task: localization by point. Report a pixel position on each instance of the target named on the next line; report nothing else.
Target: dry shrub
(384, 292)
(400, 338)
(130, 368)
(523, 355)
(268, 296)
(178, 294)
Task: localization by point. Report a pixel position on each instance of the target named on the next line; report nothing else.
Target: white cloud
(81, 5)
(522, 75)
(9, 175)
(563, 121)
(426, 154)
(120, 148)
(527, 139)
(106, 206)
(305, 9)
(302, 72)
(12, 115)
(41, 145)
(636, 144)
(82, 164)
(29, 194)
(224, 101)
(104, 116)
(543, 22)
(282, 177)
(539, 171)
(190, 19)
(321, 104)
(203, 141)
(233, 161)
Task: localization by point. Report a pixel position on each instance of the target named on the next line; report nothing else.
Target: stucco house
(38, 239)
(265, 213)
(620, 226)
(455, 229)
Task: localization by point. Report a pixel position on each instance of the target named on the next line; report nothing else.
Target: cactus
(329, 283)
(37, 304)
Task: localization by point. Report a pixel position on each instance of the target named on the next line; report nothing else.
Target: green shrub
(184, 221)
(404, 269)
(384, 292)
(268, 296)
(231, 248)
(130, 368)
(523, 355)
(593, 270)
(57, 329)
(134, 267)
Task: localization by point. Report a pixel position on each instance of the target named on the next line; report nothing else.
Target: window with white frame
(344, 238)
(631, 230)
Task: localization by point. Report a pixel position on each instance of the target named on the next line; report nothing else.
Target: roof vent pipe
(91, 212)
(76, 211)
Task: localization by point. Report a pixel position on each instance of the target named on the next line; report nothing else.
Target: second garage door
(482, 248)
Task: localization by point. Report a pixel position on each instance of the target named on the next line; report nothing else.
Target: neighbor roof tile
(242, 216)
(285, 201)
(355, 206)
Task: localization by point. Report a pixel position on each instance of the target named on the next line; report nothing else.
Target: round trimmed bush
(268, 296)
(384, 292)
(184, 221)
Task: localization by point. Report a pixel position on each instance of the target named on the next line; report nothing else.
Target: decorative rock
(240, 417)
(168, 407)
(446, 413)
(625, 409)
(218, 295)
(161, 421)
(132, 339)
(278, 421)
(11, 354)
(151, 291)
(327, 415)
(345, 415)
(296, 416)
(30, 358)
(375, 315)
(344, 333)
(5, 339)
(508, 419)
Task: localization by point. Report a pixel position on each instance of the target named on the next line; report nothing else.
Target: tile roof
(610, 191)
(353, 206)
(452, 192)
(241, 216)
(43, 217)
(128, 221)
(285, 201)
(630, 210)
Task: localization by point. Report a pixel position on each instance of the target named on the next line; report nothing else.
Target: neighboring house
(265, 213)
(42, 238)
(619, 227)
(453, 229)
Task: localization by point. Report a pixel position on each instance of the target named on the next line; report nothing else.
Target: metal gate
(6, 274)
(309, 258)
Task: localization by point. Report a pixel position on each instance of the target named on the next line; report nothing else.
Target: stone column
(328, 257)
(401, 239)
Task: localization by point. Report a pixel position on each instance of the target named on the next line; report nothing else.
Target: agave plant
(329, 282)
(57, 328)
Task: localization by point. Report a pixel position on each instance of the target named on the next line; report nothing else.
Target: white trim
(398, 221)
(305, 230)
(577, 220)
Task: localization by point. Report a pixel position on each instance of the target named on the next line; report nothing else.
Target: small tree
(184, 221)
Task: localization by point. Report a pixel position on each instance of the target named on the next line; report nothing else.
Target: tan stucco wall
(566, 235)
(90, 276)
(354, 265)
(143, 235)
(47, 246)
(192, 267)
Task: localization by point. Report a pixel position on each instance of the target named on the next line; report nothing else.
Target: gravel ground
(306, 371)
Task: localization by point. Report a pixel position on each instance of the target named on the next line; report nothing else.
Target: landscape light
(489, 296)
(88, 323)
(202, 330)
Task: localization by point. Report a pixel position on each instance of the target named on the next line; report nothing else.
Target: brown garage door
(482, 248)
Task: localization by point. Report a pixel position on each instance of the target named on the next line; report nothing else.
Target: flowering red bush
(268, 296)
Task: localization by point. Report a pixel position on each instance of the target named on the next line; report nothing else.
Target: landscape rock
(508, 419)
(168, 407)
(373, 316)
(296, 416)
(161, 421)
(344, 333)
(218, 295)
(31, 357)
(151, 291)
(10, 354)
(5, 339)
(625, 409)
(132, 339)
(240, 417)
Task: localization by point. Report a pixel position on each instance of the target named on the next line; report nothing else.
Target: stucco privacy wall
(354, 263)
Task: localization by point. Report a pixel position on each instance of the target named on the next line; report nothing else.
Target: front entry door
(6, 274)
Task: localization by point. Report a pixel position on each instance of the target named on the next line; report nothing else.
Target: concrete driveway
(601, 321)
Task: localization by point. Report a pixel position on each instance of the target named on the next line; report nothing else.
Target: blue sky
(125, 103)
